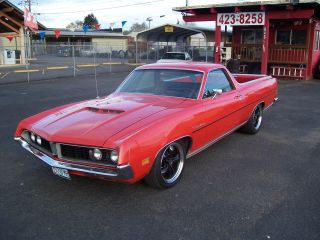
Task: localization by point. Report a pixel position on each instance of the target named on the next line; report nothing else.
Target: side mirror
(212, 93)
(216, 92)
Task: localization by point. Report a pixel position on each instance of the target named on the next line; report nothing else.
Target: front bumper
(121, 173)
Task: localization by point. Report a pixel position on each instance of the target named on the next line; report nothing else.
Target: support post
(265, 46)
(217, 44)
(310, 38)
(23, 46)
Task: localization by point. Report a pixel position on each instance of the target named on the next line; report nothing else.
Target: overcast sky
(105, 16)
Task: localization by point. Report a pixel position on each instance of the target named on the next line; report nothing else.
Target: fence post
(157, 55)
(206, 51)
(110, 59)
(147, 52)
(74, 61)
(95, 71)
(136, 52)
(192, 49)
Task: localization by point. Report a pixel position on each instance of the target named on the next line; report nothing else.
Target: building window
(317, 41)
(298, 37)
(283, 36)
(253, 36)
(291, 37)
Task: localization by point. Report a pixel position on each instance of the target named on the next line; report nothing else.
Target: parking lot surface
(264, 186)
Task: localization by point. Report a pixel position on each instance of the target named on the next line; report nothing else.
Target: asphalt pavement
(264, 186)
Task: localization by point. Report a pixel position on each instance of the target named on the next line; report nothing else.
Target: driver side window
(217, 79)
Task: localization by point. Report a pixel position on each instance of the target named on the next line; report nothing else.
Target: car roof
(200, 66)
(176, 52)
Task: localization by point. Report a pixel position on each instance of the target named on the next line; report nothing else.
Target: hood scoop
(104, 110)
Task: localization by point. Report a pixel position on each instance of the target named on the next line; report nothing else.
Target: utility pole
(187, 3)
(27, 4)
(149, 19)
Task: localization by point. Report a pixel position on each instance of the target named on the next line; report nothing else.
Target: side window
(217, 79)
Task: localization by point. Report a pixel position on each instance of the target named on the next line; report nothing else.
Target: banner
(42, 35)
(112, 25)
(57, 33)
(30, 20)
(85, 28)
(123, 23)
(9, 38)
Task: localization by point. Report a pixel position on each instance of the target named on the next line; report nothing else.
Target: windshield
(164, 82)
(179, 56)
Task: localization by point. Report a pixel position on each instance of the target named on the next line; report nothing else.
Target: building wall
(15, 45)
(105, 44)
(316, 50)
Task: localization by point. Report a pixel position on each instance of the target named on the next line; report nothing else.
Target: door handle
(238, 96)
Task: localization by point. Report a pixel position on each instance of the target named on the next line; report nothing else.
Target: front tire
(168, 166)
(254, 123)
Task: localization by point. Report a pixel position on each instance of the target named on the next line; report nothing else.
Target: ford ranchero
(158, 117)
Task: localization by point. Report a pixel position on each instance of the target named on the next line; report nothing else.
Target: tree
(91, 21)
(138, 27)
(75, 25)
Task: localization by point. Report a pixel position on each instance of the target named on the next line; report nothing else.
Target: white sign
(242, 18)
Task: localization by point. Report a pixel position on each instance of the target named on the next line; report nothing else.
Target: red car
(159, 116)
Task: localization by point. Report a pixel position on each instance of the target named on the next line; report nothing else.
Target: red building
(281, 37)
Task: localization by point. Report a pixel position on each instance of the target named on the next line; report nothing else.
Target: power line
(84, 5)
(100, 9)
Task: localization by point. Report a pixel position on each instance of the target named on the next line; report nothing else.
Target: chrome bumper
(122, 172)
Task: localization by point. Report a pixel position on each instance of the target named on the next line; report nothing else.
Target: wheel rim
(172, 161)
(257, 118)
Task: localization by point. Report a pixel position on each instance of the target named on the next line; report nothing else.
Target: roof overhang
(246, 4)
(11, 18)
(205, 12)
(160, 34)
(89, 34)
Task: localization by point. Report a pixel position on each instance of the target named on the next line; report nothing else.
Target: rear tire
(254, 123)
(168, 166)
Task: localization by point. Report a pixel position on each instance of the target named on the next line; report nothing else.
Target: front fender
(146, 143)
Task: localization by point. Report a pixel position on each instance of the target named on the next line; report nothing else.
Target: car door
(222, 112)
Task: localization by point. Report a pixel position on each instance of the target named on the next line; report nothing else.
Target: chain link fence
(57, 60)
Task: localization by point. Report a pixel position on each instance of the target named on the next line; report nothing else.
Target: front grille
(81, 153)
(69, 152)
(46, 145)
(75, 152)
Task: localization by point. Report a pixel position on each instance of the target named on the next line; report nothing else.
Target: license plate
(61, 172)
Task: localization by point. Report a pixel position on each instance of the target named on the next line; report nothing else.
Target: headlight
(33, 137)
(39, 141)
(114, 156)
(97, 154)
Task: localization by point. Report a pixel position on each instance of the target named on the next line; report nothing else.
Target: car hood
(93, 122)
